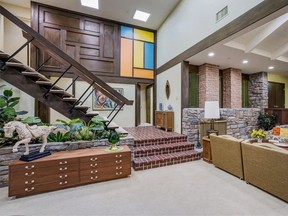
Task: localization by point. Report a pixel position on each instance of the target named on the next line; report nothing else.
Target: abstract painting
(102, 102)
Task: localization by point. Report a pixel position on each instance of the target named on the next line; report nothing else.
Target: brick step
(160, 141)
(150, 162)
(151, 150)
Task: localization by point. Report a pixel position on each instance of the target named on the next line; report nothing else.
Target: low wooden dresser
(67, 169)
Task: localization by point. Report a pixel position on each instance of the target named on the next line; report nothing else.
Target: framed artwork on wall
(102, 102)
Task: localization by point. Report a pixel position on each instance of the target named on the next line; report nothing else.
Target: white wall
(192, 21)
(11, 40)
(175, 96)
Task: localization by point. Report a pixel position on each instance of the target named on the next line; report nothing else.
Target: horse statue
(26, 133)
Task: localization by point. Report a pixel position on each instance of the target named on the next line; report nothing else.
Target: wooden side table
(207, 155)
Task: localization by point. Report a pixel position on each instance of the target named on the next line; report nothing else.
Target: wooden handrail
(54, 51)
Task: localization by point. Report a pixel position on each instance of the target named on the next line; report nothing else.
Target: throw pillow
(276, 131)
(284, 132)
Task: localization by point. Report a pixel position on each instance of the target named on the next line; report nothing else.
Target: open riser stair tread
(92, 113)
(11, 72)
(45, 83)
(55, 101)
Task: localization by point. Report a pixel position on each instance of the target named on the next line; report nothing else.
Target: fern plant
(58, 137)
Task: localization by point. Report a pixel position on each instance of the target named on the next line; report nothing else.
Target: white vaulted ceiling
(263, 46)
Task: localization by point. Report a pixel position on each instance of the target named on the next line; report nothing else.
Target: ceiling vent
(221, 14)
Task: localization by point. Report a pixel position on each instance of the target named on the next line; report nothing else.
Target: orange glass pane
(126, 57)
(142, 73)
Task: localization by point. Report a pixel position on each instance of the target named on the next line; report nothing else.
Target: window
(245, 91)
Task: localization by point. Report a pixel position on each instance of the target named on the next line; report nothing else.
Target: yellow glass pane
(126, 57)
(142, 73)
(143, 35)
(138, 54)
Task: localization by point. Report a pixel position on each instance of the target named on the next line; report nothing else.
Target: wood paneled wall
(92, 42)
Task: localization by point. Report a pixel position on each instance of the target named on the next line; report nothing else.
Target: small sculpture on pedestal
(25, 134)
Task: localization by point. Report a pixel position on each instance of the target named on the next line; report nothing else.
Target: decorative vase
(113, 139)
(259, 140)
(113, 147)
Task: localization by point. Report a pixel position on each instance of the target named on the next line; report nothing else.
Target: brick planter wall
(240, 122)
(6, 155)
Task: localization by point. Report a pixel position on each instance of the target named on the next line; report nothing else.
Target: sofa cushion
(226, 154)
(266, 166)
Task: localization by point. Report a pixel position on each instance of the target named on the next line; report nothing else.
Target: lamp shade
(211, 110)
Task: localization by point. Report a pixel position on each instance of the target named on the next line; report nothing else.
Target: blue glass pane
(149, 56)
(126, 32)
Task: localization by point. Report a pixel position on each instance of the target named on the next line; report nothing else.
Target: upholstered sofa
(266, 166)
(226, 154)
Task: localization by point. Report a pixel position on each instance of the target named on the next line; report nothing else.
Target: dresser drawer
(31, 166)
(105, 157)
(41, 179)
(103, 175)
(42, 172)
(26, 188)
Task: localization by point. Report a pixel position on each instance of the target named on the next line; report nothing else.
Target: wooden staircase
(37, 85)
(156, 148)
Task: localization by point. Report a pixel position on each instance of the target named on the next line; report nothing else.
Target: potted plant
(258, 134)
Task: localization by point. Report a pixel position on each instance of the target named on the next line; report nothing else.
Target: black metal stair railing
(81, 72)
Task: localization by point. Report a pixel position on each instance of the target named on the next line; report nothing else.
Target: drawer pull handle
(63, 177)
(94, 171)
(93, 165)
(118, 168)
(29, 168)
(63, 162)
(120, 173)
(27, 174)
(29, 190)
(118, 156)
(94, 159)
(119, 161)
(61, 169)
(63, 183)
(29, 183)
(94, 178)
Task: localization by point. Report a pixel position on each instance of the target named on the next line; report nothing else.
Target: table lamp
(212, 112)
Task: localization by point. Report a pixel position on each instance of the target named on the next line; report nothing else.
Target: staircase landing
(156, 148)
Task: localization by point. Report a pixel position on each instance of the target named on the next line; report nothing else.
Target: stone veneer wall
(240, 122)
(258, 90)
(6, 155)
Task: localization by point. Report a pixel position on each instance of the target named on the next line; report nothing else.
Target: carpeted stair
(156, 148)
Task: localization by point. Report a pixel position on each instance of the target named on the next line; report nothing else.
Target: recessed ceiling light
(211, 54)
(140, 15)
(271, 67)
(245, 61)
(90, 3)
